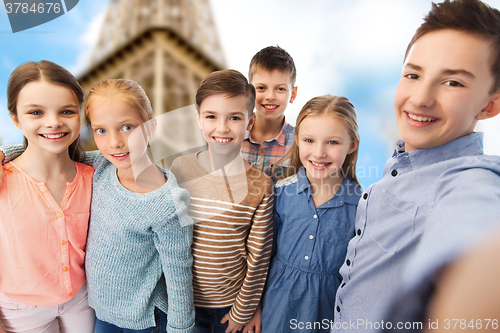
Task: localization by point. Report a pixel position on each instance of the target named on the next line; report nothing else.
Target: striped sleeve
(258, 246)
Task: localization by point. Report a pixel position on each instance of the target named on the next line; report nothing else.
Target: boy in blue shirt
(439, 193)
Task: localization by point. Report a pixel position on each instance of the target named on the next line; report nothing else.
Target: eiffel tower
(167, 46)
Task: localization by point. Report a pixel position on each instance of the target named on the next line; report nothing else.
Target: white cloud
(88, 41)
(491, 129)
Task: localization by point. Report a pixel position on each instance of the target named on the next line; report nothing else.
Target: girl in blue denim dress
(314, 213)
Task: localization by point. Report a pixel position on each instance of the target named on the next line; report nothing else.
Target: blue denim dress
(310, 245)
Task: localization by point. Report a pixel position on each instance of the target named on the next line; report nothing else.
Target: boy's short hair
(228, 82)
(273, 58)
(470, 16)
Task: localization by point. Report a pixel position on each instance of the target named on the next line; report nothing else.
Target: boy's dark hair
(470, 16)
(273, 58)
(228, 82)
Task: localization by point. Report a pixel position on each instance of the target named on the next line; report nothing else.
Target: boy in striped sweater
(231, 205)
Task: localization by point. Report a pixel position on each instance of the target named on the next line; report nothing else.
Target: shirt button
(261, 151)
(66, 269)
(59, 215)
(338, 308)
(311, 237)
(64, 242)
(306, 257)
(359, 232)
(348, 262)
(394, 173)
(365, 196)
(315, 216)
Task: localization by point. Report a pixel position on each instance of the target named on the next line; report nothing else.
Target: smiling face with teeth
(113, 123)
(444, 88)
(224, 121)
(324, 143)
(48, 114)
(274, 91)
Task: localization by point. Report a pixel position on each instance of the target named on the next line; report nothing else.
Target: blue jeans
(161, 325)
(208, 320)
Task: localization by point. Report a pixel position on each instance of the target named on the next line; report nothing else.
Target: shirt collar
(468, 145)
(348, 193)
(302, 181)
(280, 138)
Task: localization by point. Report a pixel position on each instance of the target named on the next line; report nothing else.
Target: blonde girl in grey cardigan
(138, 256)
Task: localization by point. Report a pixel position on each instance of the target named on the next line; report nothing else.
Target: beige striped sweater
(232, 236)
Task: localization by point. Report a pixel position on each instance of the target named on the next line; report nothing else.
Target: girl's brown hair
(51, 73)
(328, 105)
(127, 91)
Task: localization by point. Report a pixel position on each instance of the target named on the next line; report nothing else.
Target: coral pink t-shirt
(42, 243)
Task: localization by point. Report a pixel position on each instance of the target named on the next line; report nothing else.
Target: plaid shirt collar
(280, 138)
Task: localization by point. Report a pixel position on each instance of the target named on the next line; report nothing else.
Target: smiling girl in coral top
(44, 207)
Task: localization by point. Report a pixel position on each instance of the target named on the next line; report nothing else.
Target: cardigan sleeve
(173, 241)
(258, 245)
(12, 152)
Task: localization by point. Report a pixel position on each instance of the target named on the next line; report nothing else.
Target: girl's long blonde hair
(327, 105)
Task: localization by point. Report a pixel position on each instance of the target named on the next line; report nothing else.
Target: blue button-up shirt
(428, 201)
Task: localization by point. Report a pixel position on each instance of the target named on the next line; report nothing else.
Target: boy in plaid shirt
(272, 73)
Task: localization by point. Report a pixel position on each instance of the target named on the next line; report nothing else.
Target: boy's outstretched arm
(468, 291)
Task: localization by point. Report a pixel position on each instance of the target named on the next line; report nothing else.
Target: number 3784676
(455, 324)
(23, 7)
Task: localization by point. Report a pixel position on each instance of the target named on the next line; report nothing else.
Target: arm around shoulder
(7, 154)
(11, 152)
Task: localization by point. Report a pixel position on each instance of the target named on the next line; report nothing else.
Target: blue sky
(351, 48)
